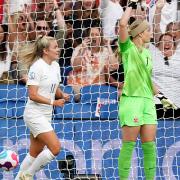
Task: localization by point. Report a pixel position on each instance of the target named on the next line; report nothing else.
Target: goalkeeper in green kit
(137, 111)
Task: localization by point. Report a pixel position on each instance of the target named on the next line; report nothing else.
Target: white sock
(41, 160)
(28, 160)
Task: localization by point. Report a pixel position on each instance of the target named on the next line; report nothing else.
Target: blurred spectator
(5, 54)
(78, 17)
(18, 5)
(174, 29)
(141, 11)
(169, 26)
(42, 29)
(110, 11)
(38, 10)
(166, 73)
(42, 9)
(168, 14)
(57, 23)
(166, 11)
(67, 50)
(91, 62)
(85, 15)
(167, 45)
(166, 56)
(117, 74)
(1, 10)
(19, 24)
(123, 3)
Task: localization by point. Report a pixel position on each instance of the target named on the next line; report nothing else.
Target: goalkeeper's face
(147, 35)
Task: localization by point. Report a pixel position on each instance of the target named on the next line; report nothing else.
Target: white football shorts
(37, 122)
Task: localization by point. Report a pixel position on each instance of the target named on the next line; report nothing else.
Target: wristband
(51, 102)
(160, 96)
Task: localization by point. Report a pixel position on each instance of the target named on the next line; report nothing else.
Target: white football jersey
(47, 78)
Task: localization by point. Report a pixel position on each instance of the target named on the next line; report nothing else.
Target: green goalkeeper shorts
(137, 111)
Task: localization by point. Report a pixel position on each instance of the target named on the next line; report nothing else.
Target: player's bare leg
(49, 139)
(36, 147)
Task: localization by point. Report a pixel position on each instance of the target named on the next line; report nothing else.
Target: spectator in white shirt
(110, 11)
(166, 72)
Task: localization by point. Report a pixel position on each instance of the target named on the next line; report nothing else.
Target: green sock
(124, 160)
(149, 149)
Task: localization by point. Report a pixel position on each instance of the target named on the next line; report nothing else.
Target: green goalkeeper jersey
(137, 70)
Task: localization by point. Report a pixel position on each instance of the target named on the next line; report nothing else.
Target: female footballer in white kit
(43, 88)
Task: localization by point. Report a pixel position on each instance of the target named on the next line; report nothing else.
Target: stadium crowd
(87, 31)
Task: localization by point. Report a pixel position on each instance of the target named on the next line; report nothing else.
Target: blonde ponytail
(29, 53)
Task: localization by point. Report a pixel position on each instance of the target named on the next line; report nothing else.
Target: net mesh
(87, 126)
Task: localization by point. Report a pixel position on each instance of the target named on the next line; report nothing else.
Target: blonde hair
(31, 52)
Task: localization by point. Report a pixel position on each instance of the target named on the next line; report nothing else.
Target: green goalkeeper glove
(167, 103)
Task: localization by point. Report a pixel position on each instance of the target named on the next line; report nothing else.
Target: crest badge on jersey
(136, 120)
(31, 75)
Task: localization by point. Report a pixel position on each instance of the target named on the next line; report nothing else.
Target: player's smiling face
(53, 50)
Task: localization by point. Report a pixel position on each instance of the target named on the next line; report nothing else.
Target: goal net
(92, 74)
